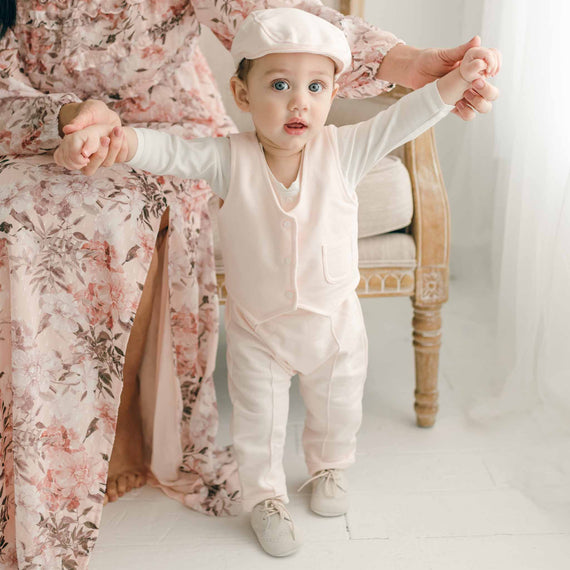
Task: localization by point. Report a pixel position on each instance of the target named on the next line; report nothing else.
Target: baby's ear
(240, 93)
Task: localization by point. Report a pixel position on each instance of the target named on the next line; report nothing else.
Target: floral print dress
(74, 253)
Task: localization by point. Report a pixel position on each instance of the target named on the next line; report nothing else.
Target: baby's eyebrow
(280, 71)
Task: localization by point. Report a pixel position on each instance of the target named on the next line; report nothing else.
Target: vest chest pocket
(337, 261)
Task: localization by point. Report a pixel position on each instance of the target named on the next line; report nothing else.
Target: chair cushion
(385, 198)
(395, 249)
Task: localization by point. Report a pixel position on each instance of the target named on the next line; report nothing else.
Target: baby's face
(289, 97)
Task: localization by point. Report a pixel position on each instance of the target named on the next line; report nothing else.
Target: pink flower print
(57, 439)
(80, 191)
(5, 138)
(104, 301)
(146, 241)
(185, 360)
(73, 478)
(86, 371)
(14, 197)
(188, 200)
(34, 370)
(62, 311)
(185, 323)
(107, 414)
(102, 254)
(152, 55)
(37, 40)
(29, 495)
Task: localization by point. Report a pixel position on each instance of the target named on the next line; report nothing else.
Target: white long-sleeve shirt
(360, 146)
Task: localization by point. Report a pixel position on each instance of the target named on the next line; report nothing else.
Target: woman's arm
(413, 67)
(28, 118)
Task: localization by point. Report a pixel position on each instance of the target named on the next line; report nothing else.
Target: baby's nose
(297, 102)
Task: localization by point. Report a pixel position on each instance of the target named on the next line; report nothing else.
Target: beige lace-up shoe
(330, 492)
(274, 528)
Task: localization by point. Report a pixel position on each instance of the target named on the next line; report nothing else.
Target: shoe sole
(280, 555)
(328, 514)
(288, 553)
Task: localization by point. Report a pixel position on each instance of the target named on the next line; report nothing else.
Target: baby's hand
(480, 62)
(76, 148)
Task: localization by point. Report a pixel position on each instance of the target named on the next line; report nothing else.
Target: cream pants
(330, 355)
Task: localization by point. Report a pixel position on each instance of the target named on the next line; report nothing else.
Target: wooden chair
(416, 262)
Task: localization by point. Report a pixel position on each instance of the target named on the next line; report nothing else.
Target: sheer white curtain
(514, 171)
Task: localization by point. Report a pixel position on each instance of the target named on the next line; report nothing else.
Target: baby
(288, 229)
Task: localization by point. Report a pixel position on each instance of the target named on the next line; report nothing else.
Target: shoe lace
(275, 507)
(331, 481)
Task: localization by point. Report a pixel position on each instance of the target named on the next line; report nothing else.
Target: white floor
(460, 496)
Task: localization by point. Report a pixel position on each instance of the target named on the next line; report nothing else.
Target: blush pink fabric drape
(74, 253)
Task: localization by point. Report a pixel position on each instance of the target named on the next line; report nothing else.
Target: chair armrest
(430, 223)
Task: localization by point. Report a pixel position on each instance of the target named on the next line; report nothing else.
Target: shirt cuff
(140, 149)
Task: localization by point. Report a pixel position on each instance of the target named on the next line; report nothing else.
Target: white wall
(432, 23)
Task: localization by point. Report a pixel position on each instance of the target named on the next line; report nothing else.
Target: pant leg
(259, 391)
(333, 394)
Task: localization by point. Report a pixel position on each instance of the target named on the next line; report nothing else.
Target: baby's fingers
(471, 70)
(71, 161)
(496, 64)
(91, 146)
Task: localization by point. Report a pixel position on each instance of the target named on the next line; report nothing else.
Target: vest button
(286, 223)
(287, 260)
(289, 294)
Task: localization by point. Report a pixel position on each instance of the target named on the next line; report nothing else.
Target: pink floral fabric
(74, 253)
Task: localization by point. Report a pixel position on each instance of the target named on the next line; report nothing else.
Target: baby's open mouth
(295, 127)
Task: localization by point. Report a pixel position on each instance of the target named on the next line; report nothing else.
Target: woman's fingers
(481, 95)
(84, 118)
(91, 112)
(478, 103)
(487, 90)
(97, 159)
(124, 152)
(117, 137)
(464, 111)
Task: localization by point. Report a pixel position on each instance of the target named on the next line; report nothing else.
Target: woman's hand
(74, 117)
(415, 68)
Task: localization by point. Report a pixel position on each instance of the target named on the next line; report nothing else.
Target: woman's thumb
(82, 120)
(457, 53)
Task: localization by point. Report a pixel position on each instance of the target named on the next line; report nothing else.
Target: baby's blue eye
(280, 85)
(315, 87)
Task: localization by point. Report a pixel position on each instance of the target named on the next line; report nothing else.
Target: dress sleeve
(369, 45)
(203, 158)
(28, 118)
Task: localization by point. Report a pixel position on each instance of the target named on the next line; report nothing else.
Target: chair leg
(427, 341)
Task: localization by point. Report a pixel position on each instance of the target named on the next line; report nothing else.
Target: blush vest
(277, 261)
